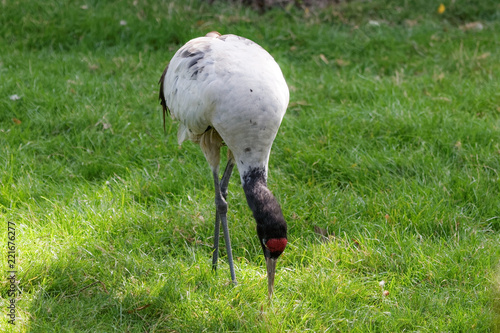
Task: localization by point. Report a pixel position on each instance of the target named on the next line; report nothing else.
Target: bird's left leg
(224, 182)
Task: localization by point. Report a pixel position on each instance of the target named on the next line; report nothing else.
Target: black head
(273, 242)
(271, 229)
(271, 225)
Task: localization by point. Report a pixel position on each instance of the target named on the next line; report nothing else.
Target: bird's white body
(227, 89)
(232, 85)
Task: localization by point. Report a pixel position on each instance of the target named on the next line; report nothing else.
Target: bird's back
(231, 84)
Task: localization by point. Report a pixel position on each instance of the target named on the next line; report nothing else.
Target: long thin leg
(223, 190)
(228, 248)
(215, 255)
(224, 182)
(221, 217)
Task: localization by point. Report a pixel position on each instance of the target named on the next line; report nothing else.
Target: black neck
(266, 210)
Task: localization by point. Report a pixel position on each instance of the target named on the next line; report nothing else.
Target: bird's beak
(271, 269)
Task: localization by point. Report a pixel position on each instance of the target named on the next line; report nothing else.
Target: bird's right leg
(221, 218)
(224, 182)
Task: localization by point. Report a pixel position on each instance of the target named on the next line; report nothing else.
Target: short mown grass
(386, 166)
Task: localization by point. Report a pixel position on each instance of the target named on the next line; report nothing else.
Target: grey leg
(224, 182)
(215, 255)
(221, 216)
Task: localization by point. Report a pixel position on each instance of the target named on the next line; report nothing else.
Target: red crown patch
(276, 244)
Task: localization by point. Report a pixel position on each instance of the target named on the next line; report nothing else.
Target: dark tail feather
(163, 102)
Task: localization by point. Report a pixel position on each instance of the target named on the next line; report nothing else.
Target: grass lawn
(386, 166)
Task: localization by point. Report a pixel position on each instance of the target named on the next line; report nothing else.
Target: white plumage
(233, 85)
(229, 90)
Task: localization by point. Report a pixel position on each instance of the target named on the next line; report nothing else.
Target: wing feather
(229, 83)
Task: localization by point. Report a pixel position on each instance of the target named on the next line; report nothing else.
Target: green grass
(391, 146)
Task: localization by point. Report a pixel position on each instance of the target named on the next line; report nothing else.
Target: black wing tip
(161, 96)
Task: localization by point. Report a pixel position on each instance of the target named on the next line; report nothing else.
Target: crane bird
(226, 89)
